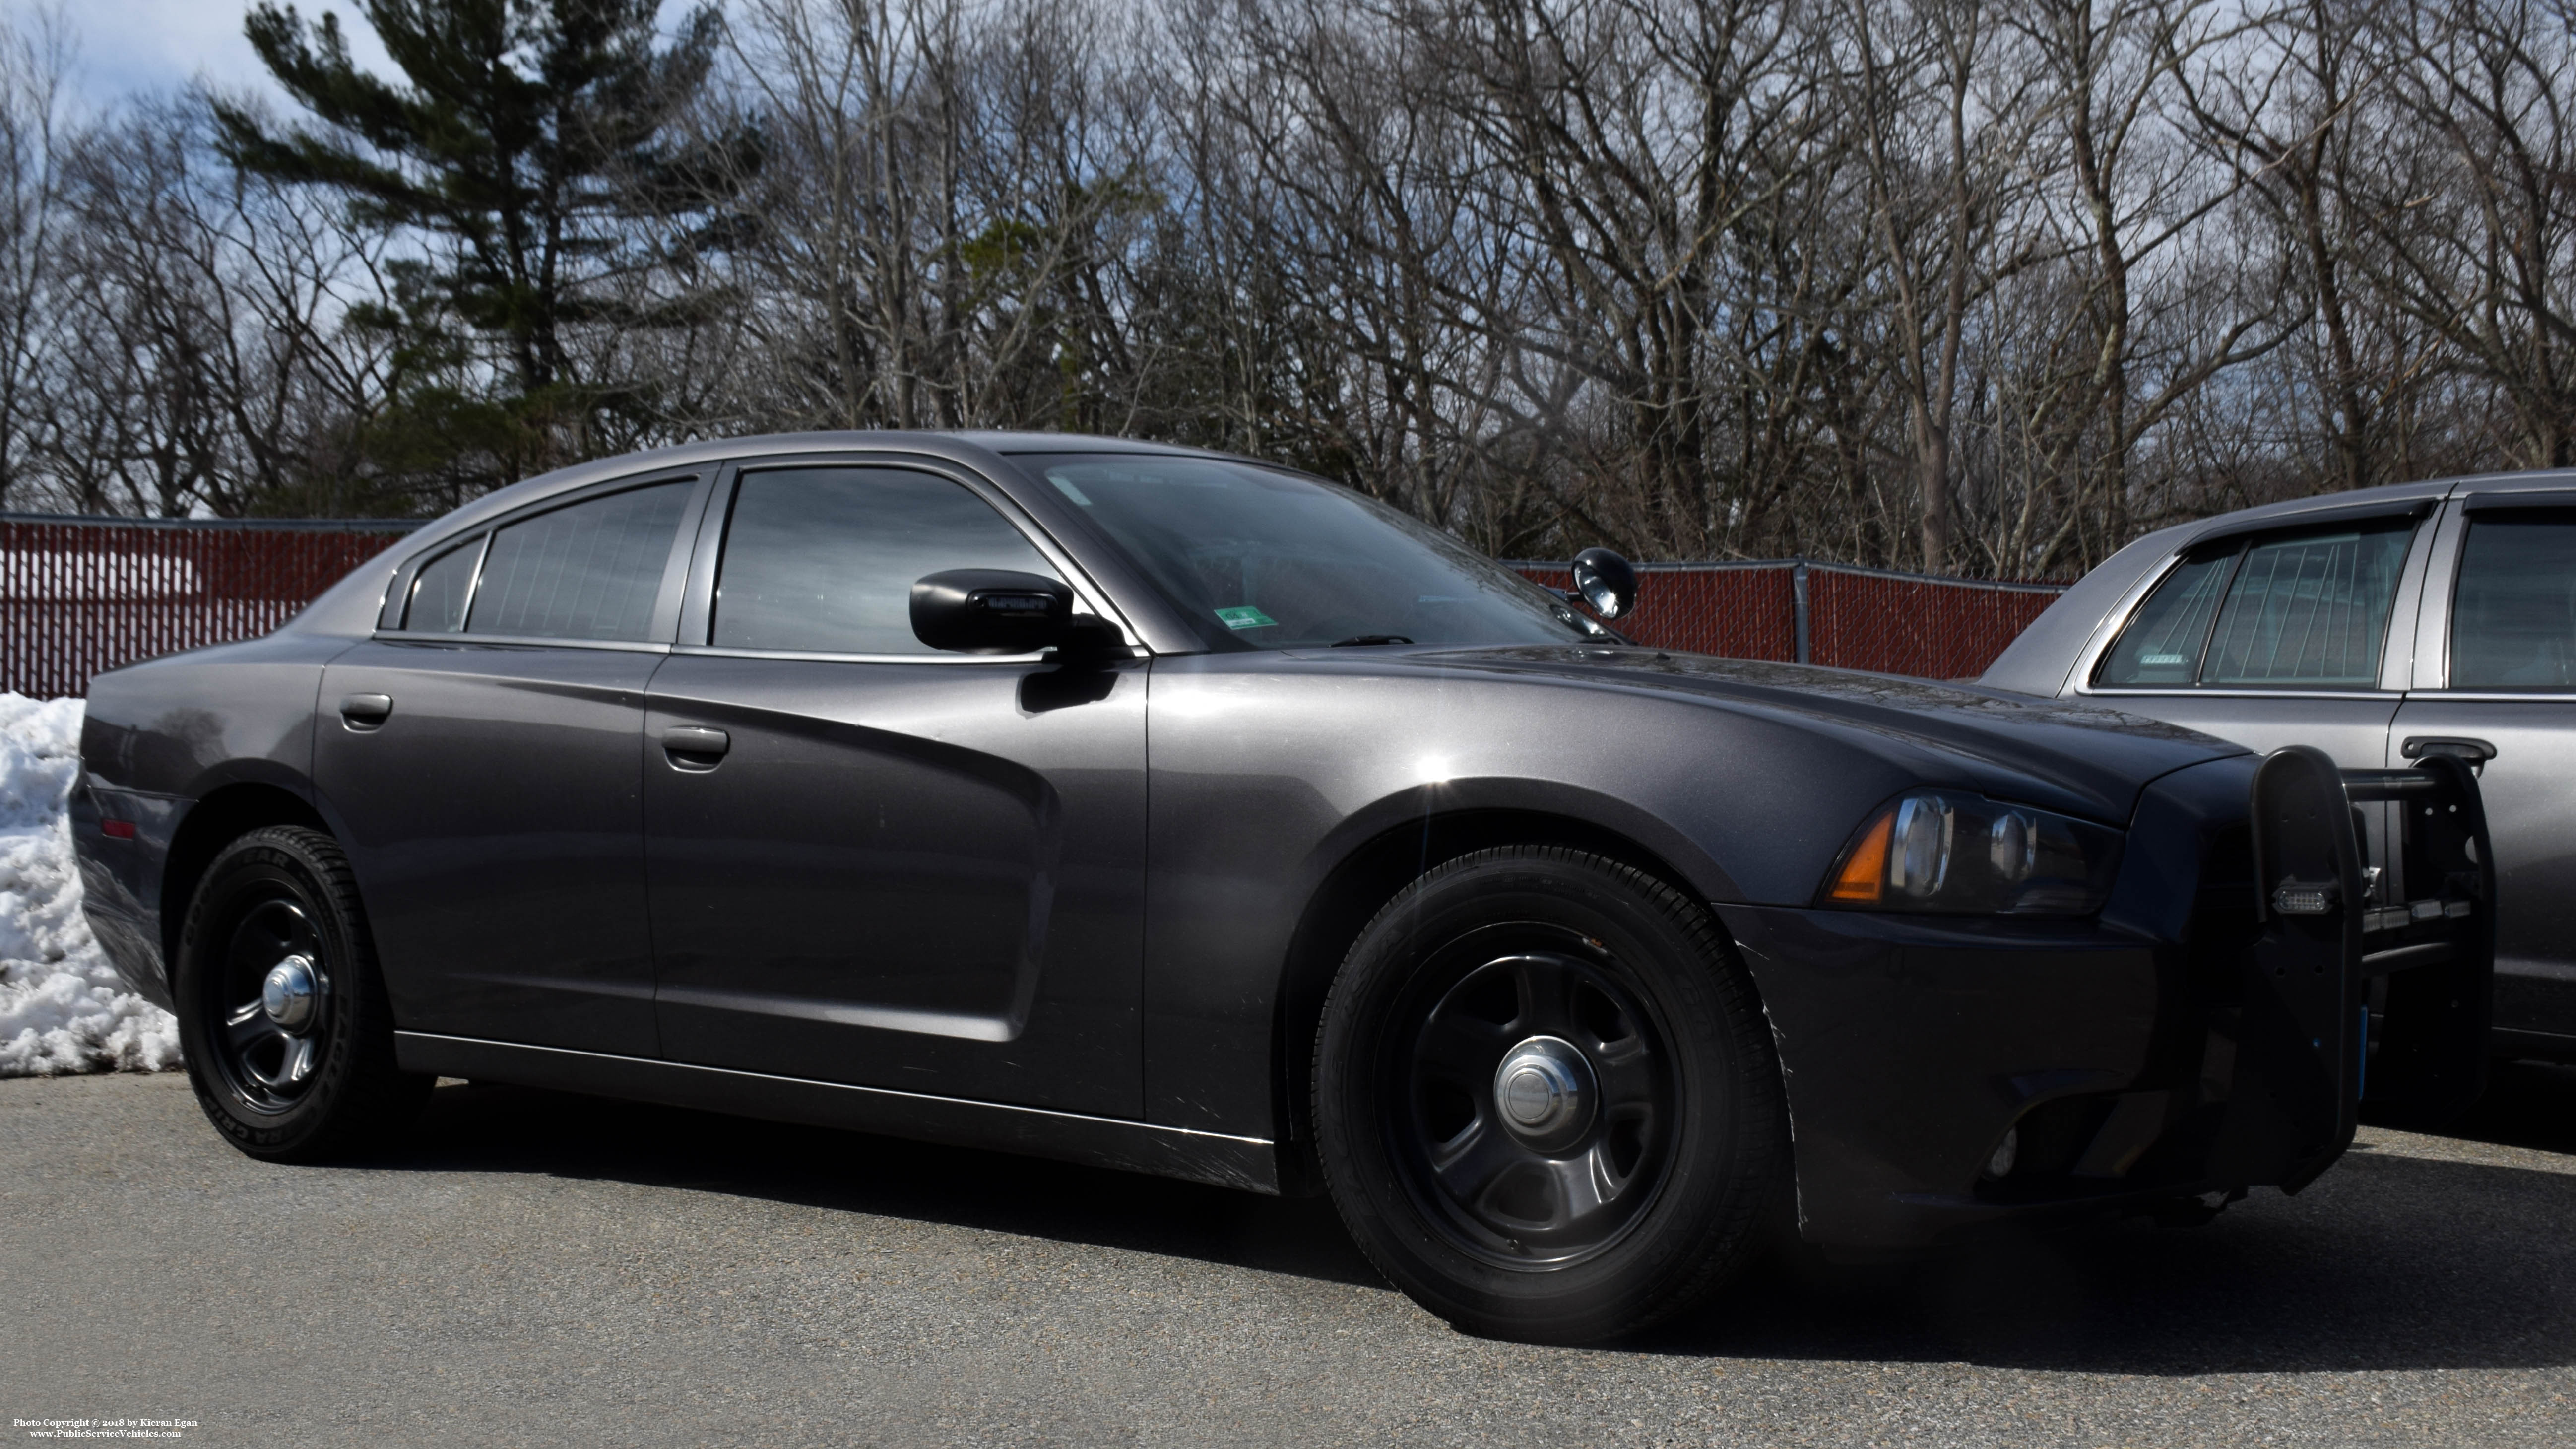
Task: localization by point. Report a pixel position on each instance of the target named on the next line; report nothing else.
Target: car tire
(1625, 1150)
(283, 1020)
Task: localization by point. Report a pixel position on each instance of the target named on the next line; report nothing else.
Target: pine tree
(534, 149)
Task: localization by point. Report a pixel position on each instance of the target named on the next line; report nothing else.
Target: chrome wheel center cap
(1544, 1091)
(287, 995)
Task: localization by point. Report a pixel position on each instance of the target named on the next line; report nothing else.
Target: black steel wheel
(282, 1017)
(1533, 1111)
(1545, 1100)
(272, 995)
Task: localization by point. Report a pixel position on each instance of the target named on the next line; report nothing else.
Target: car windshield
(1260, 559)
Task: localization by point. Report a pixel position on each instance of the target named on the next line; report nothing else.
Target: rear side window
(2513, 616)
(590, 571)
(823, 560)
(2309, 610)
(2305, 610)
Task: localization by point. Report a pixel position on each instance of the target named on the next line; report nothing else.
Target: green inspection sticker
(1246, 617)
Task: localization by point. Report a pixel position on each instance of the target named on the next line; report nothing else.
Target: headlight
(1958, 854)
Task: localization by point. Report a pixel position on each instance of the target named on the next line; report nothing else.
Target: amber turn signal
(1865, 873)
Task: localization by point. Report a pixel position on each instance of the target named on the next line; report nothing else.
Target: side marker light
(1865, 874)
(2007, 1152)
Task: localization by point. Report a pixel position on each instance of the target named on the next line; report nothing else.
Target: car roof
(1006, 443)
(962, 445)
(981, 449)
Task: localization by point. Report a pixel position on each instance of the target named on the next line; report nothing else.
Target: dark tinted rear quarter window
(2162, 644)
(438, 595)
(590, 571)
(2513, 616)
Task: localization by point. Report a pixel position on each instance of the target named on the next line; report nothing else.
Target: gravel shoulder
(539, 1269)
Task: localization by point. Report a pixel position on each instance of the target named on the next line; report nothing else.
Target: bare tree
(2472, 212)
(34, 55)
(1977, 285)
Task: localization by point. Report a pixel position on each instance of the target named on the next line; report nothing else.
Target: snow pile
(61, 1006)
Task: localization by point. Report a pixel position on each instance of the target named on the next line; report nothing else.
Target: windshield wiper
(1370, 639)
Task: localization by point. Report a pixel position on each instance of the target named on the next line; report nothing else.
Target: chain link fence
(82, 595)
(1835, 614)
(79, 596)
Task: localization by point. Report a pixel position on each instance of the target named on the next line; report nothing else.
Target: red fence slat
(1737, 610)
(1938, 628)
(1887, 623)
(79, 596)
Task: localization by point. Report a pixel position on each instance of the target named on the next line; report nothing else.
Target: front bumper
(2192, 1039)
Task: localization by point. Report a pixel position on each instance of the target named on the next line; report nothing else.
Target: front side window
(2302, 611)
(1262, 559)
(590, 571)
(2513, 616)
(823, 559)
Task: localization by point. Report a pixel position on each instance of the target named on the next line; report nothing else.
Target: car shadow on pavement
(494, 1128)
(2394, 1260)
(2527, 1104)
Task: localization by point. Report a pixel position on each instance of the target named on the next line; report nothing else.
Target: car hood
(2075, 758)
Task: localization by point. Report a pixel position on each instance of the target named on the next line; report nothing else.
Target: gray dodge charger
(1170, 811)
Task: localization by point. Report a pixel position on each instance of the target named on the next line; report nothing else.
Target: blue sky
(125, 46)
(130, 45)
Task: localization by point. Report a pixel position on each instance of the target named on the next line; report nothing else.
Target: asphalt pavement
(534, 1268)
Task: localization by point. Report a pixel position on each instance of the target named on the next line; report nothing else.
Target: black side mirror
(1605, 581)
(1002, 611)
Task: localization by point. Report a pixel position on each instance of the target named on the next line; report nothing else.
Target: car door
(482, 759)
(2280, 636)
(872, 862)
(2497, 680)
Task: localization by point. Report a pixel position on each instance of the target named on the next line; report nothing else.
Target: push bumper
(2217, 1028)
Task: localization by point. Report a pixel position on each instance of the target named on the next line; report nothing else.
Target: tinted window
(2311, 609)
(1269, 560)
(2162, 644)
(439, 592)
(2307, 609)
(824, 559)
(2513, 617)
(590, 571)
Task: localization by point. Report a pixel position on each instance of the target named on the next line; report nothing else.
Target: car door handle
(2476, 752)
(695, 748)
(364, 712)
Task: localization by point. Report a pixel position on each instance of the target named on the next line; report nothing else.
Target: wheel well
(1367, 879)
(224, 816)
